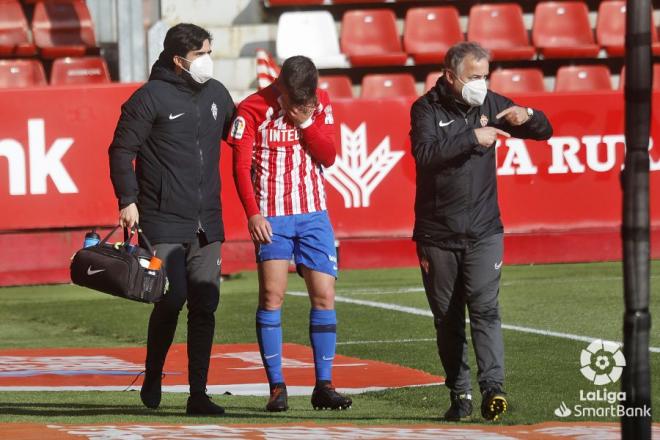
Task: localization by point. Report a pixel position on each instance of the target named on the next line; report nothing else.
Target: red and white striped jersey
(278, 167)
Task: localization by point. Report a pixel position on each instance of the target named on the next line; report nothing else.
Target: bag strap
(142, 235)
(127, 237)
(144, 238)
(104, 241)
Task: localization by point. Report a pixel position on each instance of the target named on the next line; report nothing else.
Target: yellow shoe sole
(496, 407)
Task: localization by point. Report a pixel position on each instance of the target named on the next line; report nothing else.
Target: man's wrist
(125, 202)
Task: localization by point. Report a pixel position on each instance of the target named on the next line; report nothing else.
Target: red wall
(560, 199)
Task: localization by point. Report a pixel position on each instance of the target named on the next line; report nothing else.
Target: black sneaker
(199, 404)
(324, 396)
(150, 392)
(278, 398)
(493, 404)
(460, 408)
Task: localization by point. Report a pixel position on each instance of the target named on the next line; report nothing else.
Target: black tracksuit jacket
(173, 131)
(456, 198)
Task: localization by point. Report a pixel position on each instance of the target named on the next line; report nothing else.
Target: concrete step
(243, 40)
(236, 73)
(240, 95)
(212, 12)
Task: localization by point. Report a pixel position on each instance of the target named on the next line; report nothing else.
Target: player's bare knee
(323, 300)
(271, 299)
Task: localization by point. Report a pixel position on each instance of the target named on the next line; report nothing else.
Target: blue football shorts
(308, 238)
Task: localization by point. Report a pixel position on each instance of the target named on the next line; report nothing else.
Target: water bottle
(91, 238)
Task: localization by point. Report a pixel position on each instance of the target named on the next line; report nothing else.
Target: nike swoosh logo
(497, 265)
(271, 356)
(327, 358)
(91, 272)
(175, 116)
(444, 124)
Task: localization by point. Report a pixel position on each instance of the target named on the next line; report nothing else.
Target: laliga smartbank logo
(601, 364)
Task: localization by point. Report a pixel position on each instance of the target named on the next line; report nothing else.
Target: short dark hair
(458, 52)
(300, 78)
(181, 39)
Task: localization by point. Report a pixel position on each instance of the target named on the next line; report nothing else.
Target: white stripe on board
(425, 312)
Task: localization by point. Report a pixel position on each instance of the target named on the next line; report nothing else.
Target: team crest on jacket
(238, 128)
(484, 120)
(214, 111)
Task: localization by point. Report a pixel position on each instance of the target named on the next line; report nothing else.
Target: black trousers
(193, 271)
(456, 278)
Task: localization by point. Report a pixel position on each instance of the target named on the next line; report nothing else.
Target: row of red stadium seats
(504, 81)
(65, 71)
(31, 2)
(328, 2)
(370, 37)
(58, 29)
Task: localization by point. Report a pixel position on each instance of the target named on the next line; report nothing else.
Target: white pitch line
(425, 312)
(566, 280)
(377, 291)
(386, 341)
(385, 291)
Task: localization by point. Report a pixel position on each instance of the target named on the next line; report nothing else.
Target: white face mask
(201, 69)
(474, 92)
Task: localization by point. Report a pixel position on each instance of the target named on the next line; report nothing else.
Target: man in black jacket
(458, 229)
(172, 126)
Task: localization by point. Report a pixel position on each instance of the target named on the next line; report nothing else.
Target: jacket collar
(161, 72)
(442, 94)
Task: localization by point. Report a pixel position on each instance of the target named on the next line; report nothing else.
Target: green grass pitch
(541, 371)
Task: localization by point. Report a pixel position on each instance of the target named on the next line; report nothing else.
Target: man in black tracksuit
(458, 229)
(172, 126)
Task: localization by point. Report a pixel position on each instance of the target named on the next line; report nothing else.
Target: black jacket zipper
(201, 165)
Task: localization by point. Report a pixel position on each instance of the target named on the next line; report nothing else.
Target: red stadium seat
(511, 81)
(370, 38)
(391, 85)
(337, 86)
(562, 30)
(656, 77)
(583, 78)
(500, 29)
(430, 32)
(293, 2)
(431, 79)
(21, 73)
(14, 30)
(63, 29)
(611, 28)
(31, 2)
(85, 70)
(348, 2)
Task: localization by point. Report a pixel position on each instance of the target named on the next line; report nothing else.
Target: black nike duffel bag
(123, 270)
